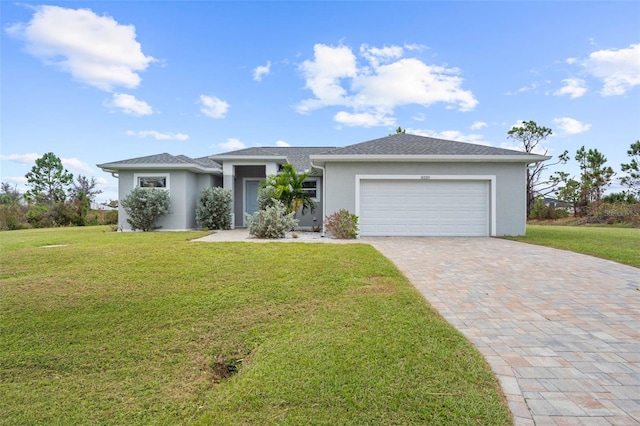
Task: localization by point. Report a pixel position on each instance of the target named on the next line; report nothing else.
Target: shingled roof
(164, 160)
(406, 147)
(406, 144)
(298, 156)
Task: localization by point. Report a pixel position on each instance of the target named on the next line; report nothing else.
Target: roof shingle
(406, 144)
(298, 156)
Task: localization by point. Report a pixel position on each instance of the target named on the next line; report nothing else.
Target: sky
(96, 82)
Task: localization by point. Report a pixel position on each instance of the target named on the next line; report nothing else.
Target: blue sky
(102, 81)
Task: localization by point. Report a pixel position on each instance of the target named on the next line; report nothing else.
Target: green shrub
(108, 217)
(13, 215)
(266, 196)
(214, 209)
(145, 206)
(542, 212)
(617, 212)
(342, 224)
(272, 222)
(39, 216)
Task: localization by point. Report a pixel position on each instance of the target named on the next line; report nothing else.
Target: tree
(530, 137)
(85, 186)
(595, 175)
(594, 178)
(13, 214)
(288, 188)
(145, 206)
(9, 194)
(569, 192)
(48, 180)
(83, 193)
(632, 169)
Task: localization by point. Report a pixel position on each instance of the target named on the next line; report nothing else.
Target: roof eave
(527, 158)
(248, 157)
(116, 167)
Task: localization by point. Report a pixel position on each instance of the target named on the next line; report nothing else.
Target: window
(151, 180)
(311, 186)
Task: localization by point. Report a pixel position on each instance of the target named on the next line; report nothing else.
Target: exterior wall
(310, 220)
(184, 187)
(257, 172)
(242, 173)
(340, 184)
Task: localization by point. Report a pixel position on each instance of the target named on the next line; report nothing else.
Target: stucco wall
(243, 173)
(184, 187)
(340, 183)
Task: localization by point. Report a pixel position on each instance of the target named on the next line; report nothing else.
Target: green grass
(135, 328)
(618, 244)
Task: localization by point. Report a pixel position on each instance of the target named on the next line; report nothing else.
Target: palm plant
(287, 187)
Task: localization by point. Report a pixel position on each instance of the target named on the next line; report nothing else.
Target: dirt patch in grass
(376, 285)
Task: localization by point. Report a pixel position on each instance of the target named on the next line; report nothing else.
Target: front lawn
(617, 244)
(149, 328)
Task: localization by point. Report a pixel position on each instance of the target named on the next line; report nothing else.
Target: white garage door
(424, 208)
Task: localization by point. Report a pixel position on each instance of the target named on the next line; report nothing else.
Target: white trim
(490, 178)
(324, 186)
(160, 174)
(244, 196)
(524, 158)
(116, 167)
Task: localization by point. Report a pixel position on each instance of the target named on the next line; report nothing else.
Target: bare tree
(530, 136)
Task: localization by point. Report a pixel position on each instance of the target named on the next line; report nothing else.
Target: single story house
(399, 185)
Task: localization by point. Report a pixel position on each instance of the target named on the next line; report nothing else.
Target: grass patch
(613, 243)
(148, 328)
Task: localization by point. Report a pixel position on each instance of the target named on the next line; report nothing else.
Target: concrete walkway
(561, 330)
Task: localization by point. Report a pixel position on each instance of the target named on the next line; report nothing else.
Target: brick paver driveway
(561, 330)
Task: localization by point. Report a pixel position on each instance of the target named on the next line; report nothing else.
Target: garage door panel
(420, 207)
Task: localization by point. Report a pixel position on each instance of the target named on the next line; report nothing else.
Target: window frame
(165, 176)
(316, 189)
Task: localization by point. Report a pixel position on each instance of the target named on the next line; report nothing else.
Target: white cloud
(411, 81)
(261, 70)
(17, 180)
(21, 158)
(574, 87)
(232, 144)
(571, 60)
(619, 69)
(452, 135)
(129, 105)
(376, 55)
(375, 89)
(419, 116)
(477, 125)
(73, 164)
(571, 125)
(364, 119)
(213, 107)
(158, 135)
(282, 144)
(323, 75)
(95, 50)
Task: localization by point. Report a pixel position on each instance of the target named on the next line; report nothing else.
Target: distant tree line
(54, 198)
(585, 193)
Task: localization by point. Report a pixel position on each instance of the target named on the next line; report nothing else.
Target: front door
(250, 198)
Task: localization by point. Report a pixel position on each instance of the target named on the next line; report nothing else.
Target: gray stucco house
(399, 185)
